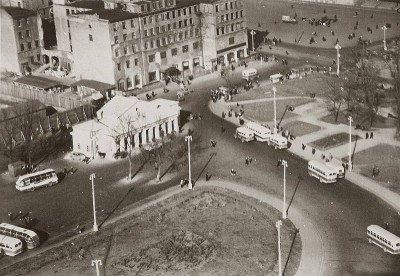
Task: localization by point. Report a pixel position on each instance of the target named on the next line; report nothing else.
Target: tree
(394, 67)
(336, 96)
(227, 75)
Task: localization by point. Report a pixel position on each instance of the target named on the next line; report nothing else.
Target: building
(21, 40)
(125, 123)
(43, 7)
(139, 41)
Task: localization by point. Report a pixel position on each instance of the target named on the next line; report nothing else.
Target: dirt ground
(202, 232)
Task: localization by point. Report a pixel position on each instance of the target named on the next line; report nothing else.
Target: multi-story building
(21, 41)
(43, 7)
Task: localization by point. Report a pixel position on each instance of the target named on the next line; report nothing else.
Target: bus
(10, 246)
(261, 133)
(31, 181)
(337, 166)
(322, 172)
(30, 238)
(244, 134)
(278, 141)
(384, 239)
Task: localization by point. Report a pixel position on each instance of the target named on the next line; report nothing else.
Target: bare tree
(394, 67)
(336, 97)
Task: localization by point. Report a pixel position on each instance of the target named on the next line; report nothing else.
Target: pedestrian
(182, 183)
(153, 94)
(250, 160)
(10, 216)
(387, 225)
(303, 146)
(71, 171)
(366, 135)
(371, 136)
(237, 104)
(155, 165)
(322, 156)
(374, 171)
(65, 171)
(233, 172)
(207, 177)
(313, 151)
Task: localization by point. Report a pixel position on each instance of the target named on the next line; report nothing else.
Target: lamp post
(95, 227)
(252, 32)
(337, 47)
(97, 263)
(278, 226)
(274, 90)
(350, 163)
(384, 28)
(188, 138)
(284, 164)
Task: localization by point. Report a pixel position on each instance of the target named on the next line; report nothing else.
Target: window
(152, 58)
(174, 25)
(136, 62)
(123, 25)
(119, 66)
(146, 33)
(133, 48)
(231, 40)
(180, 24)
(217, 31)
(20, 35)
(128, 63)
(231, 4)
(216, 8)
(152, 76)
(191, 21)
(226, 6)
(116, 52)
(32, 59)
(137, 80)
(124, 37)
(150, 19)
(146, 45)
(90, 26)
(67, 11)
(184, 11)
(190, 10)
(185, 48)
(125, 50)
(179, 13)
(232, 15)
(186, 34)
(151, 31)
(174, 51)
(68, 23)
(115, 27)
(168, 15)
(197, 31)
(195, 45)
(90, 37)
(222, 18)
(133, 35)
(173, 14)
(152, 44)
(38, 57)
(164, 41)
(22, 47)
(128, 83)
(195, 8)
(115, 39)
(158, 43)
(29, 45)
(144, 21)
(241, 13)
(163, 54)
(132, 23)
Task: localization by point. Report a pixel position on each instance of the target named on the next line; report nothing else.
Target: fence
(44, 97)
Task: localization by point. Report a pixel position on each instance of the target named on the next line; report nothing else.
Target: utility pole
(384, 28)
(350, 163)
(274, 90)
(337, 47)
(95, 227)
(97, 263)
(284, 164)
(252, 32)
(278, 226)
(188, 138)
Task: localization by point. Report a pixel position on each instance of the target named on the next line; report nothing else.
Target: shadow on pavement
(295, 190)
(290, 251)
(205, 166)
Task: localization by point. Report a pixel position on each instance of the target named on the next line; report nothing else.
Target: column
(226, 59)
(191, 66)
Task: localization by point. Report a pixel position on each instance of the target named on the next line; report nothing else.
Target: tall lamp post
(337, 47)
(350, 163)
(252, 32)
(384, 28)
(95, 227)
(188, 138)
(274, 90)
(284, 164)
(97, 263)
(278, 226)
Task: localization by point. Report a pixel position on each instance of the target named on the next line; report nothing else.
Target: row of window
(321, 171)
(228, 5)
(174, 51)
(231, 16)
(169, 15)
(23, 22)
(151, 44)
(124, 25)
(169, 27)
(29, 45)
(156, 5)
(230, 28)
(27, 33)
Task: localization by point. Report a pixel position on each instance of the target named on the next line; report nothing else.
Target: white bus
(337, 166)
(322, 172)
(384, 239)
(31, 181)
(244, 134)
(261, 133)
(10, 246)
(278, 141)
(25, 235)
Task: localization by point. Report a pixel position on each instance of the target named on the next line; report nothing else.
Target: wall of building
(92, 59)
(9, 56)
(338, 2)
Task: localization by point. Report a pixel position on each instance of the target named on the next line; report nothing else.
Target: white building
(125, 123)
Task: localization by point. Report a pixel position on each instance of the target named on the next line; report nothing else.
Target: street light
(384, 28)
(278, 225)
(350, 163)
(97, 263)
(284, 164)
(252, 32)
(95, 227)
(188, 138)
(337, 47)
(274, 90)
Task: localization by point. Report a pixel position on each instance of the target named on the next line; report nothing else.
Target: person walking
(366, 135)
(371, 136)
(10, 216)
(233, 172)
(207, 176)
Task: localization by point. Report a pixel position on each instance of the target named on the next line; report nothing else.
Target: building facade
(43, 7)
(21, 41)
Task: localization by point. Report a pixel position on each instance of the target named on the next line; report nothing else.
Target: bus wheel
(32, 189)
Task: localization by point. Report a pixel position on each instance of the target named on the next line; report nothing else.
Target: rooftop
(87, 4)
(112, 15)
(18, 13)
(36, 81)
(96, 85)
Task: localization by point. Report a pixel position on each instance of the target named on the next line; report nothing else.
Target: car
(78, 156)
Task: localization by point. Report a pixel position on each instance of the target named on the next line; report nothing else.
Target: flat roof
(18, 13)
(96, 85)
(37, 81)
(87, 4)
(112, 15)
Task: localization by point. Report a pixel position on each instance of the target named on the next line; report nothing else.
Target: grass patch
(360, 118)
(332, 141)
(300, 128)
(264, 111)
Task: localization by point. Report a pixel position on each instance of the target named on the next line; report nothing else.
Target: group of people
(27, 219)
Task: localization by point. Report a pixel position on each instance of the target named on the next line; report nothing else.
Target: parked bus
(261, 133)
(278, 141)
(10, 246)
(244, 134)
(384, 239)
(29, 182)
(25, 235)
(322, 172)
(337, 166)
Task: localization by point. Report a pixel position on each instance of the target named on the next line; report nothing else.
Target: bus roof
(381, 231)
(319, 164)
(17, 228)
(257, 126)
(36, 173)
(8, 239)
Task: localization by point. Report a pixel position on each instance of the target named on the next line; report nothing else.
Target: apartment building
(21, 41)
(43, 7)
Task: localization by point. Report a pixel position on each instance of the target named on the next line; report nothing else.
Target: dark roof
(96, 85)
(113, 15)
(18, 13)
(87, 4)
(37, 81)
(20, 109)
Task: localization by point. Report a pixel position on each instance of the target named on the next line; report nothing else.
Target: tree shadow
(205, 166)
(299, 179)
